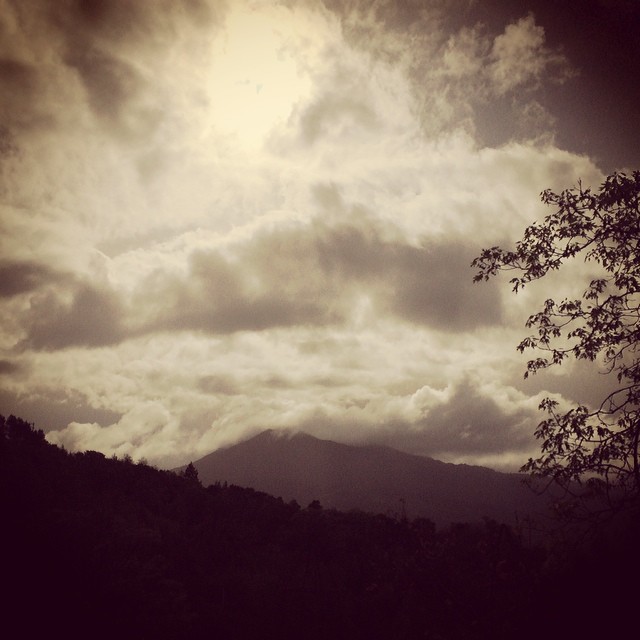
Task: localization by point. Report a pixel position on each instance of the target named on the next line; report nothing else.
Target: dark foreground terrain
(96, 547)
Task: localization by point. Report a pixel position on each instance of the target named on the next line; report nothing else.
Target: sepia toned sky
(222, 217)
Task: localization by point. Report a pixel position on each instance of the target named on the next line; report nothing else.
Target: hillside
(370, 478)
(106, 548)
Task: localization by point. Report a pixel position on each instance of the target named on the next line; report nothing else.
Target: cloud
(219, 384)
(120, 20)
(18, 277)
(178, 273)
(334, 114)
(468, 421)
(318, 274)
(115, 50)
(8, 367)
(112, 87)
(430, 287)
(475, 421)
(49, 409)
(520, 57)
(220, 297)
(459, 71)
(20, 86)
(92, 317)
(124, 437)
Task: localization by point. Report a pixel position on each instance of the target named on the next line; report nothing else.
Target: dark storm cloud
(22, 277)
(316, 275)
(92, 318)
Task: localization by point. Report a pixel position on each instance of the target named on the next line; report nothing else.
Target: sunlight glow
(255, 79)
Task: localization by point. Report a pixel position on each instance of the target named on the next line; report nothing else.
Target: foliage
(595, 447)
(98, 546)
(101, 547)
(190, 473)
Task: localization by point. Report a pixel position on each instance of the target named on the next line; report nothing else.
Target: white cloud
(275, 206)
(520, 57)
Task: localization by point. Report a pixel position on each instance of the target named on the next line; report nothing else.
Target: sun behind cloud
(256, 79)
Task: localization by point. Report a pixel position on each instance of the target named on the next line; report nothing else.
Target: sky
(222, 217)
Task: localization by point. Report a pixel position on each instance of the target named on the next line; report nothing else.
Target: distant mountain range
(370, 478)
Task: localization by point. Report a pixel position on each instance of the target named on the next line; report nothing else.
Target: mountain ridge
(375, 478)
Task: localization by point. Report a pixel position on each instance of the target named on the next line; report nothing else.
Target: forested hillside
(105, 548)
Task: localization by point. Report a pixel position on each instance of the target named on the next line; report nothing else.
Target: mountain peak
(297, 465)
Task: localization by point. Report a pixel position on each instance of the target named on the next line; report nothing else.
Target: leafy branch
(597, 449)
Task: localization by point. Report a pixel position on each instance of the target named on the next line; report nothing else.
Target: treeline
(105, 548)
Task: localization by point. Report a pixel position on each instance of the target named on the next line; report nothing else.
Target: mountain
(370, 478)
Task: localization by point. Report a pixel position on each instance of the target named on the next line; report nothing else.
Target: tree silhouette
(190, 473)
(593, 447)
